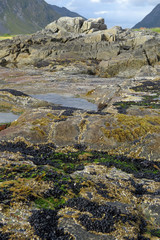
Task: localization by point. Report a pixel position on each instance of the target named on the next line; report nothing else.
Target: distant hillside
(28, 16)
(152, 20)
(64, 11)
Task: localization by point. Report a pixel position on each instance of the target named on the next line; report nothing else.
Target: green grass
(6, 36)
(155, 30)
(151, 29)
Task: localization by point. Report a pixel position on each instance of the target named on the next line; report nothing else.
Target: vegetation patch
(150, 29)
(65, 163)
(148, 86)
(131, 128)
(41, 179)
(149, 101)
(155, 232)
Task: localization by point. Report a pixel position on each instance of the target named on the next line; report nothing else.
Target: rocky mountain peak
(151, 20)
(20, 16)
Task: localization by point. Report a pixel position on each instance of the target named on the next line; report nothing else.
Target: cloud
(101, 12)
(129, 2)
(95, 1)
(125, 13)
(71, 5)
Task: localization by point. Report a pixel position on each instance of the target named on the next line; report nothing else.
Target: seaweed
(45, 154)
(148, 86)
(15, 92)
(155, 232)
(45, 224)
(103, 217)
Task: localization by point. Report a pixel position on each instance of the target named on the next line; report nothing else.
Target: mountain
(151, 20)
(28, 16)
(64, 11)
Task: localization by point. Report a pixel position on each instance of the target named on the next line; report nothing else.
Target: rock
(68, 24)
(67, 173)
(147, 71)
(17, 101)
(114, 133)
(92, 25)
(76, 25)
(125, 50)
(49, 199)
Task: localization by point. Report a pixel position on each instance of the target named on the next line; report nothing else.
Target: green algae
(150, 102)
(48, 183)
(49, 203)
(155, 232)
(148, 86)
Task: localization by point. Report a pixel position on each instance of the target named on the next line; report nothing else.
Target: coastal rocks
(70, 195)
(117, 50)
(133, 136)
(92, 25)
(76, 25)
(16, 101)
(75, 174)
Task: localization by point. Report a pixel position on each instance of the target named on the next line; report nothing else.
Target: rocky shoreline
(67, 173)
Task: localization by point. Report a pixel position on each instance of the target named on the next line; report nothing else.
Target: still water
(66, 101)
(7, 117)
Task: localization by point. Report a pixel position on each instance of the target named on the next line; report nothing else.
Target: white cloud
(95, 1)
(125, 13)
(101, 12)
(71, 5)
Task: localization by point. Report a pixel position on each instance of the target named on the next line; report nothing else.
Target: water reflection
(67, 101)
(7, 117)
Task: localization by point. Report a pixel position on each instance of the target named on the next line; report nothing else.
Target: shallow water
(66, 101)
(7, 117)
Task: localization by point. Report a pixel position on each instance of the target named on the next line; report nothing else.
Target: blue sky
(125, 13)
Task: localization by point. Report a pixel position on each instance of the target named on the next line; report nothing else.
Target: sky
(124, 13)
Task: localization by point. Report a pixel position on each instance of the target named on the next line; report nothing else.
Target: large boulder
(66, 24)
(76, 25)
(92, 25)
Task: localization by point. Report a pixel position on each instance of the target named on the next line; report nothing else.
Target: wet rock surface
(65, 195)
(67, 173)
